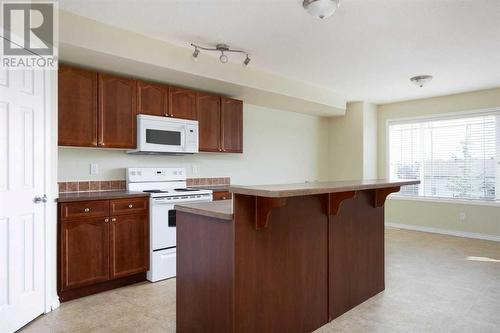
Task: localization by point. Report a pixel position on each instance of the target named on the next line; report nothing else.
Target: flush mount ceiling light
(321, 8)
(421, 80)
(223, 49)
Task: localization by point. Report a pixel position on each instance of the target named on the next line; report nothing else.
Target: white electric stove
(167, 187)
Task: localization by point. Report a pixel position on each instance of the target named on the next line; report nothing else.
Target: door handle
(40, 199)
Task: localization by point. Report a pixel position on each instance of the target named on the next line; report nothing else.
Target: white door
(22, 151)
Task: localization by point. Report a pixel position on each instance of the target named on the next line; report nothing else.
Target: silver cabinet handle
(40, 199)
(86, 210)
(113, 220)
(106, 220)
(130, 206)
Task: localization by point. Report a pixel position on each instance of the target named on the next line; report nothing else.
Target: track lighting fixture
(222, 48)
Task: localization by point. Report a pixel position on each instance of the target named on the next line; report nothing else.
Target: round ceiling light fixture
(321, 8)
(421, 80)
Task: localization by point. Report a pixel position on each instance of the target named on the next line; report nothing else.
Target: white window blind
(452, 157)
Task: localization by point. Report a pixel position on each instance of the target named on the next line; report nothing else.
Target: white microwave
(162, 135)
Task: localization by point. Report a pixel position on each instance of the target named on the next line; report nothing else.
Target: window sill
(445, 200)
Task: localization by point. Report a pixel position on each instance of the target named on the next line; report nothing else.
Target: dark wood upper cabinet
(117, 112)
(77, 100)
(183, 103)
(152, 99)
(85, 245)
(209, 111)
(231, 125)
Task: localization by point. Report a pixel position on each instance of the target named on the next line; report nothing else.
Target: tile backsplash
(117, 185)
(208, 181)
(92, 186)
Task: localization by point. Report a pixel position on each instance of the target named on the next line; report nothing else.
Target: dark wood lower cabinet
(101, 253)
(85, 245)
(129, 245)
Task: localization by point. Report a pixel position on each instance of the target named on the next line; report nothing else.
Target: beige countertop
(298, 189)
(102, 195)
(222, 209)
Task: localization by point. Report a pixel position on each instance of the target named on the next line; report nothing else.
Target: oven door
(159, 134)
(163, 221)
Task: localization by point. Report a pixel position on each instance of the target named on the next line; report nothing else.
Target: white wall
(279, 147)
(370, 126)
(353, 143)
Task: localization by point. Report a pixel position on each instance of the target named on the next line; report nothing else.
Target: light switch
(94, 169)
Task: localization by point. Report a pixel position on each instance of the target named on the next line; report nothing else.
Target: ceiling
(367, 51)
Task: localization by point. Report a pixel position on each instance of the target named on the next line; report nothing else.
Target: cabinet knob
(106, 220)
(113, 219)
(130, 206)
(86, 210)
(224, 198)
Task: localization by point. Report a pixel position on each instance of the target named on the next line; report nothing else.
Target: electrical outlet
(94, 169)
(194, 170)
(462, 216)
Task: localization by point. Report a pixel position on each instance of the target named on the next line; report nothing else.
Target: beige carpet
(434, 283)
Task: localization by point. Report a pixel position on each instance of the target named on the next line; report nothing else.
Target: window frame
(434, 117)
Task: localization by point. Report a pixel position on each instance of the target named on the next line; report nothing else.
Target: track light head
(223, 58)
(196, 53)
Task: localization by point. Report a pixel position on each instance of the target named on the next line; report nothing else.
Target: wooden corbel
(382, 193)
(335, 199)
(263, 207)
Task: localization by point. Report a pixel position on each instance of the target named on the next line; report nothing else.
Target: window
(455, 158)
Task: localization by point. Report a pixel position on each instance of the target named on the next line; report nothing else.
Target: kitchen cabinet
(117, 112)
(129, 245)
(99, 110)
(220, 121)
(77, 104)
(209, 122)
(152, 99)
(183, 103)
(102, 244)
(85, 245)
(221, 195)
(231, 125)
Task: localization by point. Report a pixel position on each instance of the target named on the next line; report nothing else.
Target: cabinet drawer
(129, 206)
(84, 209)
(222, 196)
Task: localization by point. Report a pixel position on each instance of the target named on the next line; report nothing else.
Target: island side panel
(204, 282)
(281, 270)
(356, 253)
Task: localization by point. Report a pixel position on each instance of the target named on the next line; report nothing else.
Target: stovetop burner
(185, 189)
(155, 191)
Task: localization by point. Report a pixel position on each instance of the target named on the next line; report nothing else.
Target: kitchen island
(280, 258)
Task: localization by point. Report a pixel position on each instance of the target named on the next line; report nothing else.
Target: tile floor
(434, 283)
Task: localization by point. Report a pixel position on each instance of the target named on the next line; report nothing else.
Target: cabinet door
(152, 99)
(84, 257)
(117, 112)
(209, 122)
(232, 125)
(77, 95)
(183, 103)
(129, 245)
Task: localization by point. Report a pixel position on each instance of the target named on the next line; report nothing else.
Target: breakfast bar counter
(280, 258)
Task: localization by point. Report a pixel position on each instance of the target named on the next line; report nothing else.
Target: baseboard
(444, 231)
(55, 304)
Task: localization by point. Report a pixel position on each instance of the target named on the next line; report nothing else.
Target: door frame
(51, 190)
